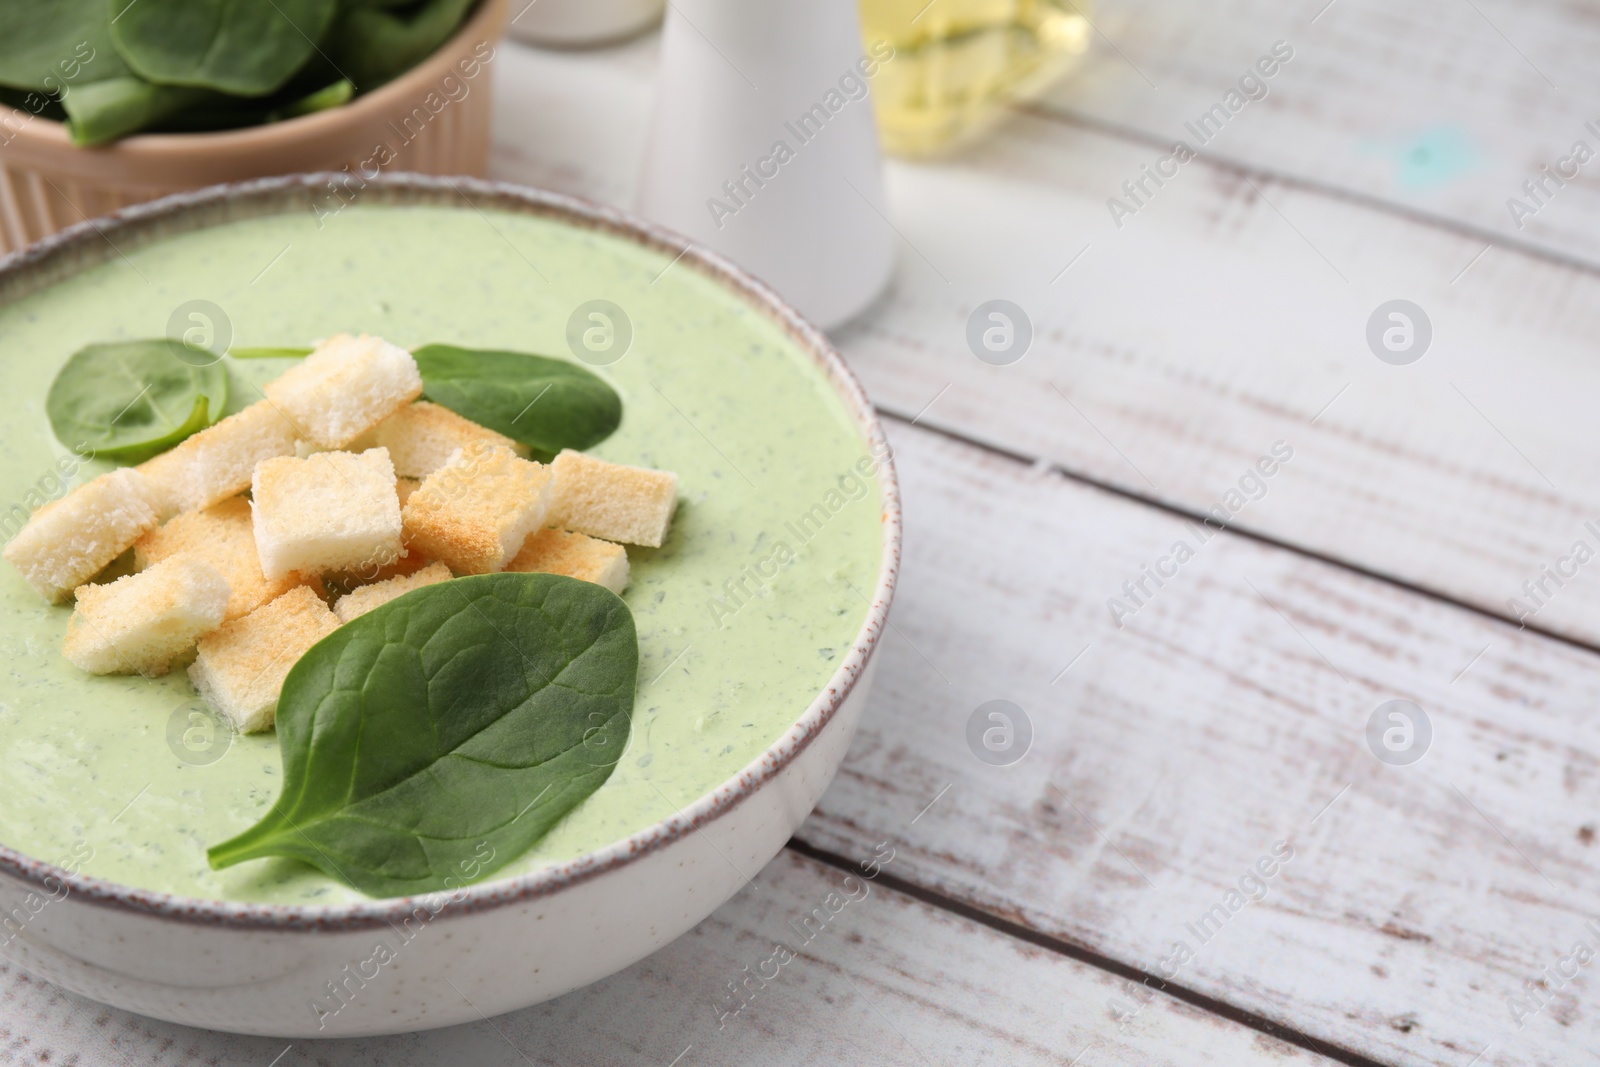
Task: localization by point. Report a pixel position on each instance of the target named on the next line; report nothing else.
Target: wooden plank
(1225, 317)
(1220, 318)
(885, 980)
(1229, 714)
(1437, 107)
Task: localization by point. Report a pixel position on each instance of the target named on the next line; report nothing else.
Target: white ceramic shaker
(763, 147)
(580, 23)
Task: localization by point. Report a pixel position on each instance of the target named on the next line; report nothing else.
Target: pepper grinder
(763, 147)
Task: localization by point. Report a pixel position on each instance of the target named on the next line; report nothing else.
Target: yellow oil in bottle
(958, 63)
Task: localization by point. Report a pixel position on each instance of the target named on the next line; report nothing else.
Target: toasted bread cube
(410, 562)
(240, 668)
(421, 438)
(138, 623)
(474, 513)
(576, 555)
(358, 602)
(346, 387)
(69, 541)
(223, 536)
(331, 511)
(610, 501)
(216, 463)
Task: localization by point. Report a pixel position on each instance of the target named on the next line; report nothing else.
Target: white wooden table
(1026, 904)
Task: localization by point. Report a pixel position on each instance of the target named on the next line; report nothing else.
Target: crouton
(221, 535)
(327, 512)
(608, 500)
(358, 602)
(475, 512)
(346, 387)
(240, 667)
(576, 555)
(67, 542)
(137, 624)
(421, 437)
(217, 462)
(410, 562)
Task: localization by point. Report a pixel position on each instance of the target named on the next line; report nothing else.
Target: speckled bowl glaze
(492, 947)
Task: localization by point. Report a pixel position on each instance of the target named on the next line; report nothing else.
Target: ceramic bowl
(434, 118)
(499, 945)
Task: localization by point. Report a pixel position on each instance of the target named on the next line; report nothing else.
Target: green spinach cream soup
(742, 615)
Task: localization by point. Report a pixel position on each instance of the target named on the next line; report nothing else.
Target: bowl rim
(90, 242)
(487, 20)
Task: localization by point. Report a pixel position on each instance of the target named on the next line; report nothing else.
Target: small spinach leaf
(547, 404)
(244, 47)
(461, 718)
(130, 399)
(329, 96)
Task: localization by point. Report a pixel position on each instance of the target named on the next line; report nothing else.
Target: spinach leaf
(244, 47)
(372, 45)
(466, 716)
(106, 110)
(57, 45)
(547, 404)
(199, 110)
(328, 96)
(130, 399)
(191, 65)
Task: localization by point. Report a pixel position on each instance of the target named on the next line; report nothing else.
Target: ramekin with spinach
(110, 68)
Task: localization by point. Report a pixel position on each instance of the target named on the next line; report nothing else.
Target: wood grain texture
(1438, 108)
(1170, 755)
(886, 980)
(1223, 317)
(1228, 313)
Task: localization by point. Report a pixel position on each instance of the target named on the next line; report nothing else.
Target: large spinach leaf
(130, 399)
(547, 404)
(244, 47)
(54, 46)
(460, 718)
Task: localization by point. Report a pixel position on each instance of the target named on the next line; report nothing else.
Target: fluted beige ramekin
(433, 119)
